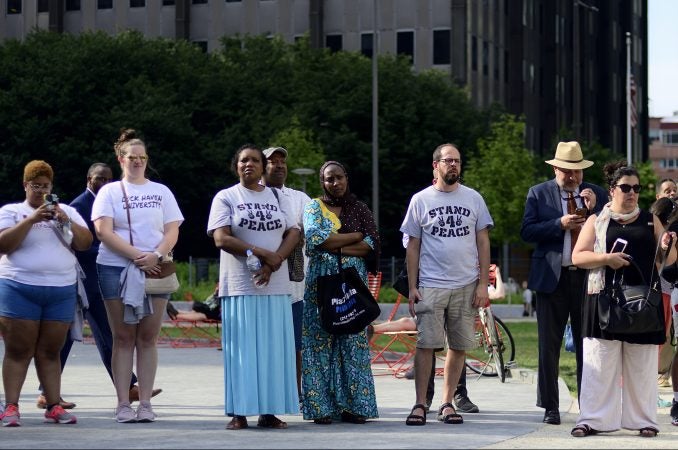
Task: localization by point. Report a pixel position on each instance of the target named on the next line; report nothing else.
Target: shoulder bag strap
(129, 220)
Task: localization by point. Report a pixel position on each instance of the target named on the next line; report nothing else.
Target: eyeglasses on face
(450, 161)
(626, 188)
(133, 158)
(40, 187)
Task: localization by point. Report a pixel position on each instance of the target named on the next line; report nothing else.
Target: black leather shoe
(552, 417)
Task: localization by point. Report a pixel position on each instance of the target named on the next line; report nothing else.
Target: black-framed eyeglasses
(626, 188)
(450, 161)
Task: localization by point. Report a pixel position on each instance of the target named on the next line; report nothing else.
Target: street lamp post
(303, 172)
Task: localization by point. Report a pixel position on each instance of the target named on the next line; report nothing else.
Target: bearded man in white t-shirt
(449, 254)
(275, 175)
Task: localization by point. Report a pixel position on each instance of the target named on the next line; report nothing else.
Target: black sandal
(649, 432)
(452, 418)
(349, 417)
(323, 421)
(416, 419)
(583, 430)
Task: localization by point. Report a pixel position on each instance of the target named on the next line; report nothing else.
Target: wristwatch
(159, 255)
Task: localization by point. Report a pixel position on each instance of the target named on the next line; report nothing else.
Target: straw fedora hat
(569, 156)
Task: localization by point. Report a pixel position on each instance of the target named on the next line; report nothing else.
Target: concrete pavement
(190, 415)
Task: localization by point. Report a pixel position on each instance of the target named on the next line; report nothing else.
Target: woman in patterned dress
(336, 374)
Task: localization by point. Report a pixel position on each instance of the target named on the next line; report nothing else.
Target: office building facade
(560, 63)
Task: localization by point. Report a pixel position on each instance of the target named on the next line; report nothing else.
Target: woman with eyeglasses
(605, 402)
(337, 382)
(137, 221)
(38, 289)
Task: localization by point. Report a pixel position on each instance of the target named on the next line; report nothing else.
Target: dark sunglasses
(626, 188)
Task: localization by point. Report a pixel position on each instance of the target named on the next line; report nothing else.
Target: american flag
(632, 101)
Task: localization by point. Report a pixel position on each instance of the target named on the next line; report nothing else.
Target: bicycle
(495, 345)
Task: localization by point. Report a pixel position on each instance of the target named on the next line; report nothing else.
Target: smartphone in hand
(581, 212)
(619, 245)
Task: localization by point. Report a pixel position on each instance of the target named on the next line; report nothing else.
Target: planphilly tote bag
(345, 304)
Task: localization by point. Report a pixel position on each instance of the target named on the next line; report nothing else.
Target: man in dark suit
(560, 286)
(97, 175)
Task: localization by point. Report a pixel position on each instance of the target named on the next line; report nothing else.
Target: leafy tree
(502, 173)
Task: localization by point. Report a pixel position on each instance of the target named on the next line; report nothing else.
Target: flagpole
(629, 144)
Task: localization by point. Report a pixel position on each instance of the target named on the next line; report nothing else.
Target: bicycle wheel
(496, 346)
(481, 359)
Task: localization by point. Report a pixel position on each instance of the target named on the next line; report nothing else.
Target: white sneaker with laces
(145, 412)
(125, 414)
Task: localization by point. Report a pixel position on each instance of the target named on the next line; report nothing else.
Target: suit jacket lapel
(555, 195)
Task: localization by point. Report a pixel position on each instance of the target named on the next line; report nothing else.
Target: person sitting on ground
(210, 309)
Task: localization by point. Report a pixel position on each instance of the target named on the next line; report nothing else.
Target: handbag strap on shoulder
(129, 220)
(635, 265)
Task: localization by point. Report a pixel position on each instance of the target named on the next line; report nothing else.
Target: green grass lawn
(525, 336)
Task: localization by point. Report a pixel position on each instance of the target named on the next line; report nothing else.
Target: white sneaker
(145, 412)
(125, 414)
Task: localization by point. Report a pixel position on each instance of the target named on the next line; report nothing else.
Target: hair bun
(126, 134)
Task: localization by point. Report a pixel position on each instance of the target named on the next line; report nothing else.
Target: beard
(450, 178)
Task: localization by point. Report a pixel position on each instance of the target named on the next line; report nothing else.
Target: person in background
(38, 289)
(527, 300)
(448, 259)
(98, 175)
(666, 189)
(337, 381)
(137, 221)
(248, 221)
(559, 284)
(275, 176)
(605, 403)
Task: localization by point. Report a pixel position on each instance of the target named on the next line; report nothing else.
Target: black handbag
(401, 283)
(624, 309)
(345, 304)
(295, 262)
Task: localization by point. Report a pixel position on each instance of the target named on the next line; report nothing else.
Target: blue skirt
(259, 357)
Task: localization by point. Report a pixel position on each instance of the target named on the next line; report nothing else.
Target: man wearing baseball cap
(275, 175)
(555, 211)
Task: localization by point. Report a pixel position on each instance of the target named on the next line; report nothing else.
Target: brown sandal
(271, 421)
(237, 423)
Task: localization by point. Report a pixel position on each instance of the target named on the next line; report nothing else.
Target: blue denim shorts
(25, 301)
(109, 282)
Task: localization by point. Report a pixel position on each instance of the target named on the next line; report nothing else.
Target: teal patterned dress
(336, 372)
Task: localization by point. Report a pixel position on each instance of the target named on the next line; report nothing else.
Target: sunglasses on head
(626, 188)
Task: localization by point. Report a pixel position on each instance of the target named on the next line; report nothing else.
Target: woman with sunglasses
(137, 221)
(605, 403)
(38, 287)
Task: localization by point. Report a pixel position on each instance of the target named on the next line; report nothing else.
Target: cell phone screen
(618, 246)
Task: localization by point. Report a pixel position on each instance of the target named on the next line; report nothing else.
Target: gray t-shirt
(447, 223)
(257, 218)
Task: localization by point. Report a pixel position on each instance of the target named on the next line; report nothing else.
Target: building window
(367, 44)
(486, 57)
(13, 6)
(137, 3)
(43, 6)
(202, 45)
(405, 44)
(233, 1)
(670, 137)
(72, 5)
(496, 63)
(167, 2)
(506, 66)
(334, 42)
(441, 46)
(474, 53)
(199, 2)
(104, 4)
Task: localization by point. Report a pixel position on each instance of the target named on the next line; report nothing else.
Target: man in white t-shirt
(449, 253)
(275, 175)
